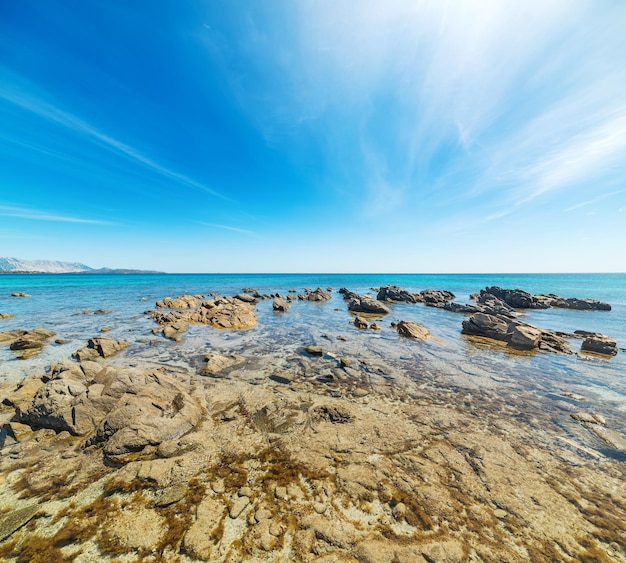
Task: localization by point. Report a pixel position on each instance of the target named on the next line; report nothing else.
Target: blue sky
(315, 136)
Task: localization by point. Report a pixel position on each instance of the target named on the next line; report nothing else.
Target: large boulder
(517, 335)
(599, 344)
(366, 304)
(489, 326)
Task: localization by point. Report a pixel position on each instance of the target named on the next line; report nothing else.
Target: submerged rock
(26, 343)
(5, 316)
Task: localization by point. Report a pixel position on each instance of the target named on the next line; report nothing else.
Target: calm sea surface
(65, 304)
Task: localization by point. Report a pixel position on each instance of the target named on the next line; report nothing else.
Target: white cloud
(43, 215)
(228, 228)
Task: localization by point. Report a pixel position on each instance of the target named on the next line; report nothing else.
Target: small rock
(19, 294)
(262, 514)
(238, 507)
(314, 350)
(499, 513)
(281, 493)
(245, 492)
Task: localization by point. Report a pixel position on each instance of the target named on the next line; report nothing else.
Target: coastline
(380, 447)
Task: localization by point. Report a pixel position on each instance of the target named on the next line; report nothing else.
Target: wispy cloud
(71, 122)
(594, 200)
(43, 215)
(229, 228)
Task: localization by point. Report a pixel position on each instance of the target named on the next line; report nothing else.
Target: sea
(65, 303)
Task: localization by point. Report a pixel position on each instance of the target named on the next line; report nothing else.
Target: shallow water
(514, 398)
(65, 304)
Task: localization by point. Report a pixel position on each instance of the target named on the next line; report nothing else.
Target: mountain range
(17, 265)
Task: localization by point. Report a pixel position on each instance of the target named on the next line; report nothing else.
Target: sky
(315, 135)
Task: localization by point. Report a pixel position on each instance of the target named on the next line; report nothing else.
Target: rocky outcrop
(182, 302)
(369, 305)
(573, 303)
(412, 330)
(395, 293)
(315, 295)
(517, 335)
(26, 343)
(100, 347)
(516, 298)
(599, 344)
(222, 312)
(5, 316)
(520, 299)
(225, 313)
(124, 409)
(19, 294)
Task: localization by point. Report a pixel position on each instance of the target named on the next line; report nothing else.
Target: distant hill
(17, 265)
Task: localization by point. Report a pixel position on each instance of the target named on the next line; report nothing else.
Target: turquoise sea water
(65, 303)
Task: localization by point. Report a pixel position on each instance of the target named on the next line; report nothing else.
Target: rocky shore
(308, 455)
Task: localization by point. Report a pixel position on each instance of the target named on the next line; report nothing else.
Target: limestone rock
(412, 330)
